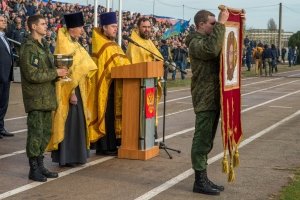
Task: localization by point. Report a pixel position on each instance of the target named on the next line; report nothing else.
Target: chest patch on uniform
(35, 61)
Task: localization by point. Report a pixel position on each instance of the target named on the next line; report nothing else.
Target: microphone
(126, 37)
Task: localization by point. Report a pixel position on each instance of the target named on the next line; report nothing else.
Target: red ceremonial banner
(230, 77)
(150, 102)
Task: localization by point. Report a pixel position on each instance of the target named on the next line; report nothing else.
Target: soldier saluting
(38, 75)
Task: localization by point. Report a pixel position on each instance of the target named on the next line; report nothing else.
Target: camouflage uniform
(204, 54)
(38, 76)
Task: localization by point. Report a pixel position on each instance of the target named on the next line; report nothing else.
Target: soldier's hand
(243, 16)
(62, 72)
(223, 16)
(73, 99)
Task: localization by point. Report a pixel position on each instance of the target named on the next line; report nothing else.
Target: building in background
(269, 36)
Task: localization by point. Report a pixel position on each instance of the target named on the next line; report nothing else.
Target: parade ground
(269, 152)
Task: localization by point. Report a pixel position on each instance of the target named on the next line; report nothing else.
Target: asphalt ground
(269, 152)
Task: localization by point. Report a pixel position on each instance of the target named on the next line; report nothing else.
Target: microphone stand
(162, 144)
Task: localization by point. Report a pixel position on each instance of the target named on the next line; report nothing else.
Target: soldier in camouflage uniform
(205, 45)
(38, 76)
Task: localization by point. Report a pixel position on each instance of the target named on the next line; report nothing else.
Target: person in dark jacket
(275, 56)
(38, 75)
(291, 55)
(6, 75)
(204, 49)
(165, 52)
(283, 53)
(248, 57)
(267, 57)
(179, 57)
(19, 34)
(30, 8)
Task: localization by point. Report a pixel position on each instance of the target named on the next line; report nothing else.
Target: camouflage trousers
(205, 130)
(39, 132)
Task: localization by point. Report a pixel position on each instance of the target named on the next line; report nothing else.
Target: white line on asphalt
(12, 154)
(19, 131)
(174, 113)
(184, 89)
(266, 102)
(61, 174)
(275, 86)
(293, 75)
(289, 71)
(171, 91)
(276, 92)
(176, 134)
(170, 183)
(189, 103)
(10, 119)
(171, 100)
(241, 95)
(284, 107)
(264, 81)
(249, 78)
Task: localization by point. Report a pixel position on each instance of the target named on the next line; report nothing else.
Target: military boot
(201, 185)
(45, 172)
(219, 187)
(34, 173)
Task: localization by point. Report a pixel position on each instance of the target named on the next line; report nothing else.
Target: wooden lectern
(132, 101)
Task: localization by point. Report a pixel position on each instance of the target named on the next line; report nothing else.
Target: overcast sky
(258, 12)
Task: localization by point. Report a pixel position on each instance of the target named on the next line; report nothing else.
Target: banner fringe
(236, 158)
(231, 176)
(225, 164)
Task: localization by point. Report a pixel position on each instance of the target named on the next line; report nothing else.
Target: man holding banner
(205, 46)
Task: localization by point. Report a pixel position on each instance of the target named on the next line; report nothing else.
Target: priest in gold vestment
(106, 99)
(136, 54)
(70, 139)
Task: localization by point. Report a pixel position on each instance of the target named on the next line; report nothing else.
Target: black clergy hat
(74, 20)
(108, 18)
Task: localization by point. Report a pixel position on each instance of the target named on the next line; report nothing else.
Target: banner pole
(120, 24)
(96, 13)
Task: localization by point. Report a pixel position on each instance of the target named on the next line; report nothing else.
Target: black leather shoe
(1, 136)
(6, 134)
(70, 165)
(107, 153)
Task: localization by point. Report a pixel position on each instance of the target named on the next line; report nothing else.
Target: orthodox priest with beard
(107, 95)
(142, 36)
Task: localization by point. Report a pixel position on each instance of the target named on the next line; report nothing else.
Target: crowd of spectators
(17, 12)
